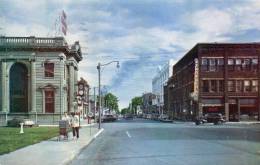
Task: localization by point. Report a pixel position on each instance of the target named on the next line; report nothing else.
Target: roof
(43, 44)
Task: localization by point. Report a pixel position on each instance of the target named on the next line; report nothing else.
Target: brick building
(216, 78)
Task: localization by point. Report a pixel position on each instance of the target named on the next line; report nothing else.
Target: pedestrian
(75, 125)
(67, 118)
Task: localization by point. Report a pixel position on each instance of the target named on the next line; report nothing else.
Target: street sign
(90, 114)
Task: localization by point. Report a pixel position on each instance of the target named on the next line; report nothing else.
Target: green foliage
(11, 139)
(135, 102)
(124, 111)
(111, 102)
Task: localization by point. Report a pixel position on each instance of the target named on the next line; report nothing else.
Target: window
(220, 61)
(254, 86)
(221, 85)
(254, 64)
(49, 69)
(205, 86)
(230, 64)
(239, 86)
(204, 61)
(220, 64)
(204, 64)
(246, 64)
(212, 65)
(213, 86)
(247, 101)
(255, 61)
(230, 61)
(212, 101)
(246, 86)
(238, 64)
(231, 86)
(238, 61)
(49, 101)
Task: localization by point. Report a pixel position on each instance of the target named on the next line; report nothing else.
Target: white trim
(212, 57)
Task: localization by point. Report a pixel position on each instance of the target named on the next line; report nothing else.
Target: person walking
(66, 118)
(75, 125)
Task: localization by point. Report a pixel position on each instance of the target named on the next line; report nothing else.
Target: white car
(28, 122)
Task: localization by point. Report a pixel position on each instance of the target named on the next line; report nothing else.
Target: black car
(216, 118)
(129, 117)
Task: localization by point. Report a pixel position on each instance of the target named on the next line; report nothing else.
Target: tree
(135, 102)
(124, 111)
(111, 102)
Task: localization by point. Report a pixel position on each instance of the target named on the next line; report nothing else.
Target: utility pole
(94, 104)
(99, 94)
(99, 90)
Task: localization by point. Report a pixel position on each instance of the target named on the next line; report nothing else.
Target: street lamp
(99, 91)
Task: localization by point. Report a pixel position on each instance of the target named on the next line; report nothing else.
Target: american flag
(63, 23)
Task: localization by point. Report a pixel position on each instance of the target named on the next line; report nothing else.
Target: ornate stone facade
(38, 77)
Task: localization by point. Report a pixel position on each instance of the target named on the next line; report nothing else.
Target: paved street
(149, 142)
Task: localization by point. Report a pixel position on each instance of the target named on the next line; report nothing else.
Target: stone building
(216, 78)
(159, 81)
(147, 103)
(38, 77)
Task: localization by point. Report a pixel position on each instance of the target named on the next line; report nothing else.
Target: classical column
(33, 87)
(71, 88)
(4, 88)
(75, 78)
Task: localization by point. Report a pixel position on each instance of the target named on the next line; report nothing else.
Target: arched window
(18, 88)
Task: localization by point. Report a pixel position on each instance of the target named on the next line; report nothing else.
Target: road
(144, 142)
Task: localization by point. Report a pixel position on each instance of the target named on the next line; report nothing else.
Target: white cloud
(107, 35)
(211, 20)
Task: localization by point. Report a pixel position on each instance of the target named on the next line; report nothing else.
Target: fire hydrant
(21, 130)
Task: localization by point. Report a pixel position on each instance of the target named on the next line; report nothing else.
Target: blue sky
(140, 34)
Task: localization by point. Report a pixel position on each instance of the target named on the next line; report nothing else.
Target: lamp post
(99, 90)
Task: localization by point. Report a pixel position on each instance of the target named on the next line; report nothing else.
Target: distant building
(38, 77)
(83, 98)
(159, 81)
(147, 106)
(216, 78)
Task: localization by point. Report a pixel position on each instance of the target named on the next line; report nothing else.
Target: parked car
(216, 118)
(164, 118)
(129, 117)
(15, 122)
(108, 118)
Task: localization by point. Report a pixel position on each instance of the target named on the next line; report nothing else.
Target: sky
(141, 34)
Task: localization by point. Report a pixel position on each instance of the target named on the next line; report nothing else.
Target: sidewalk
(243, 123)
(52, 152)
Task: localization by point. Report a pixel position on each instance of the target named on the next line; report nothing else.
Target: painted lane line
(128, 134)
(99, 132)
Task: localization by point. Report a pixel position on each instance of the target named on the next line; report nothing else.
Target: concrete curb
(82, 125)
(85, 146)
(241, 123)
